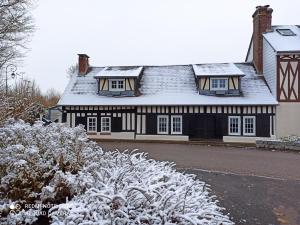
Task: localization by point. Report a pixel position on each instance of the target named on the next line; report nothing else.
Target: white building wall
(249, 58)
(243, 139)
(114, 135)
(269, 67)
(288, 119)
(162, 137)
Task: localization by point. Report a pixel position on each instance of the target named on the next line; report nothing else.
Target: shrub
(59, 165)
(32, 157)
(131, 189)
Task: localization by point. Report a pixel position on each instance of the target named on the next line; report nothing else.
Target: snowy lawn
(58, 165)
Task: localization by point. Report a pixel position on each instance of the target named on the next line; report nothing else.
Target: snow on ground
(89, 186)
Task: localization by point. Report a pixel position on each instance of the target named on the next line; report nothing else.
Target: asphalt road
(254, 200)
(244, 161)
(257, 187)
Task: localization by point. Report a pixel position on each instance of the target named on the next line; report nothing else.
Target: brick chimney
(83, 64)
(262, 22)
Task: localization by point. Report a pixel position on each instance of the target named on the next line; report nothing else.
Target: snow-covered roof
(167, 85)
(120, 71)
(283, 43)
(217, 69)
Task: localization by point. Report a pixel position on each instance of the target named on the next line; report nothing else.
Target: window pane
(117, 84)
(214, 83)
(114, 84)
(177, 124)
(222, 83)
(249, 125)
(218, 83)
(105, 124)
(162, 125)
(234, 125)
(120, 84)
(92, 124)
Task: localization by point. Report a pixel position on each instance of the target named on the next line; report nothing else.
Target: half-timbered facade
(227, 101)
(170, 104)
(288, 85)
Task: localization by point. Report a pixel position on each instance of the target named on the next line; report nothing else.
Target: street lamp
(13, 74)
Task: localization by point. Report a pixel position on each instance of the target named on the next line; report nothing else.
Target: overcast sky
(142, 32)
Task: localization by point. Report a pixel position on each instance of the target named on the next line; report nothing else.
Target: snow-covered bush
(41, 164)
(32, 157)
(131, 189)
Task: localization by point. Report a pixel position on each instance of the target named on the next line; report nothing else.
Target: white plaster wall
(243, 139)
(162, 137)
(121, 136)
(249, 58)
(288, 119)
(56, 115)
(269, 67)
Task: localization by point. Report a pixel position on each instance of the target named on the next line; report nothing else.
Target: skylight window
(286, 32)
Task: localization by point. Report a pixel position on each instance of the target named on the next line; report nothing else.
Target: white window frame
(88, 124)
(254, 125)
(239, 125)
(116, 89)
(105, 131)
(167, 124)
(172, 123)
(218, 84)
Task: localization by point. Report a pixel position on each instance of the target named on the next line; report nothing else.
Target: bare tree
(72, 70)
(23, 101)
(51, 98)
(16, 27)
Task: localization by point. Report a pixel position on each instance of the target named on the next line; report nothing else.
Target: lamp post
(13, 69)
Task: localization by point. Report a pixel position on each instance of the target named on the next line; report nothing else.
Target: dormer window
(219, 84)
(119, 81)
(117, 85)
(221, 79)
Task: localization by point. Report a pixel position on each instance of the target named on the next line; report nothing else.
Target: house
(236, 102)
(275, 53)
(54, 114)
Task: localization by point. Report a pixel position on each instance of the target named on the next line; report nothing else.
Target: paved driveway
(245, 161)
(256, 187)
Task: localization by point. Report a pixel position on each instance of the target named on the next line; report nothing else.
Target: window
(92, 124)
(286, 32)
(176, 124)
(218, 84)
(249, 125)
(117, 85)
(105, 124)
(234, 125)
(162, 124)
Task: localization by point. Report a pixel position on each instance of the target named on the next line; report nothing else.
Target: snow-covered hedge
(42, 164)
(37, 162)
(131, 189)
